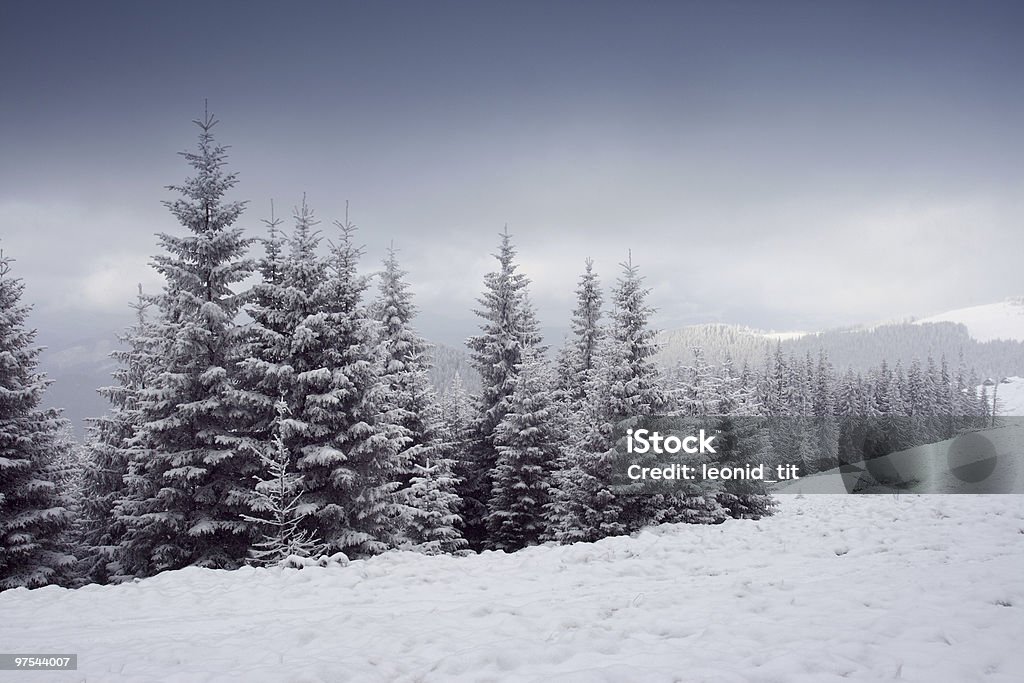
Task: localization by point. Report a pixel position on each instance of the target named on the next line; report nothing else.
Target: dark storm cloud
(781, 165)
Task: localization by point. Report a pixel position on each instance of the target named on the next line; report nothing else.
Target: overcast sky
(788, 166)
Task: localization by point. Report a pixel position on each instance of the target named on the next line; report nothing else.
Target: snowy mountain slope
(987, 322)
(833, 588)
(859, 348)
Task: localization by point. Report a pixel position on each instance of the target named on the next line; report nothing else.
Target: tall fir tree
(584, 505)
(508, 328)
(741, 440)
(290, 272)
(34, 512)
(189, 479)
(109, 448)
(408, 398)
(528, 441)
(578, 356)
(825, 427)
(626, 386)
(426, 467)
(349, 451)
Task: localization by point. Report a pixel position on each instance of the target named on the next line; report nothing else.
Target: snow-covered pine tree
(964, 403)
(917, 401)
(630, 328)
(946, 401)
(529, 443)
(508, 328)
(584, 506)
(741, 440)
(852, 409)
(278, 304)
(456, 414)
(109, 449)
(825, 426)
(34, 514)
(189, 479)
(777, 401)
(802, 406)
(626, 386)
(700, 391)
(276, 503)
(577, 358)
(407, 398)
(704, 395)
(349, 452)
(433, 524)
(426, 467)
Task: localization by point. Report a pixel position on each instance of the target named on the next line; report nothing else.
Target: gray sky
(783, 165)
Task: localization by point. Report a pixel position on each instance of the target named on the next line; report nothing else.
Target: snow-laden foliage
(277, 502)
(109, 450)
(529, 443)
(508, 328)
(349, 452)
(34, 512)
(625, 385)
(428, 482)
(188, 476)
(577, 358)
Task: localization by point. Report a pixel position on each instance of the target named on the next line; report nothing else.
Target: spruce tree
(109, 448)
(741, 441)
(528, 441)
(625, 386)
(456, 413)
(508, 328)
(426, 467)
(852, 412)
(408, 398)
(277, 505)
(826, 428)
(290, 272)
(433, 524)
(189, 479)
(577, 359)
(34, 512)
(349, 451)
(584, 506)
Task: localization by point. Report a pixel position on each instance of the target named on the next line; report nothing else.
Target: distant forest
(856, 349)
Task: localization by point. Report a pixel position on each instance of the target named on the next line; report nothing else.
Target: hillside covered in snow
(833, 588)
(988, 322)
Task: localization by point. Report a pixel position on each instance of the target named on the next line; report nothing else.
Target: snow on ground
(833, 588)
(988, 322)
(1010, 396)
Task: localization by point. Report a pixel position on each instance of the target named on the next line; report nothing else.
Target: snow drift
(833, 588)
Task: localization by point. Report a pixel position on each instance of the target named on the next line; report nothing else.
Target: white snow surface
(832, 588)
(1010, 395)
(987, 322)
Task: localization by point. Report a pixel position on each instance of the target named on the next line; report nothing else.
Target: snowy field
(1010, 396)
(834, 588)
